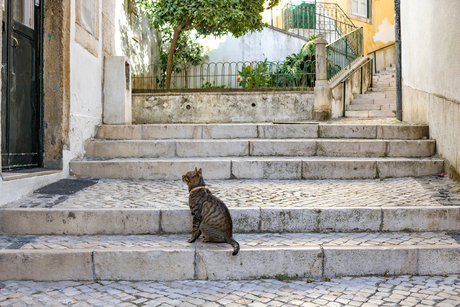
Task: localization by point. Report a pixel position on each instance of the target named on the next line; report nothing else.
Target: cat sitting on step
(210, 215)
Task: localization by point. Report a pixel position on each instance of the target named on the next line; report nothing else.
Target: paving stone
(127, 194)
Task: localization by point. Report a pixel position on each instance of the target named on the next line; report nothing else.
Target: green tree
(208, 17)
(188, 52)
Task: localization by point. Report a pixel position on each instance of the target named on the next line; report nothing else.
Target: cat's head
(194, 178)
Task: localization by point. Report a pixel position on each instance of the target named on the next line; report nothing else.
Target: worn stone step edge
(261, 131)
(313, 168)
(109, 149)
(245, 220)
(214, 263)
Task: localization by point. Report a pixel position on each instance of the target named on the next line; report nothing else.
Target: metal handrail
(349, 76)
(344, 51)
(375, 51)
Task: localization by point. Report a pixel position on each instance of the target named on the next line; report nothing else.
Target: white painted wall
(85, 94)
(136, 39)
(430, 73)
(258, 46)
(430, 53)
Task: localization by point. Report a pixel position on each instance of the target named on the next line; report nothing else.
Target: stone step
(384, 84)
(361, 106)
(382, 89)
(259, 147)
(264, 131)
(371, 113)
(370, 95)
(258, 168)
(372, 100)
(170, 258)
(263, 219)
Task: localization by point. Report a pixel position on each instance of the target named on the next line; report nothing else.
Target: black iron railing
(225, 76)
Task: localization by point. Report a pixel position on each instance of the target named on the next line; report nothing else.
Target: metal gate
(21, 62)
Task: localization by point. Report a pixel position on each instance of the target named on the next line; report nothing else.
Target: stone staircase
(379, 101)
(99, 234)
(259, 151)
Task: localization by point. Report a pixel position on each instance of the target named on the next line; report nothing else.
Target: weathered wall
(56, 77)
(86, 58)
(353, 85)
(134, 36)
(258, 46)
(430, 66)
(379, 28)
(223, 107)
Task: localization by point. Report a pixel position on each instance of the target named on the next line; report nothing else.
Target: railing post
(322, 109)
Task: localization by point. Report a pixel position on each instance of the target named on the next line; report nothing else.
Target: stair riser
(382, 89)
(376, 101)
(262, 131)
(363, 107)
(371, 113)
(258, 168)
(291, 148)
(217, 263)
(245, 220)
(382, 83)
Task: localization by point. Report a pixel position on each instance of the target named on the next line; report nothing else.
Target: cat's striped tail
(236, 246)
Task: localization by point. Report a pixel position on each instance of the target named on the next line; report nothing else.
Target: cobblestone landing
(346, 291)
(123, 194)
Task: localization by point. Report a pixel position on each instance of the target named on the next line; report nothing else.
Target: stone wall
(430, 73)
(237, 107)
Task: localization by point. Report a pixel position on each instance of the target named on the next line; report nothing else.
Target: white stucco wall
(430, 39)
(258, 46)
(85, 94)
(430, 73)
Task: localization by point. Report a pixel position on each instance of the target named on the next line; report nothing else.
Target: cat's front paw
(191, 240)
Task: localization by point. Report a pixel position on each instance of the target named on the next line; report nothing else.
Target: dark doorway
(21, 86)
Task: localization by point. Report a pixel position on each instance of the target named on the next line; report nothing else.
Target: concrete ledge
(245, 220)
(439, 260)
(404, 167)
(162, 264)
(421, 219)
(46, 265)
(79, 222)
(300, 130)
(288, 220)
(218, 263)
(14, 189)
(213, 262)
(267, 169)
(339, 169)
(367, 260)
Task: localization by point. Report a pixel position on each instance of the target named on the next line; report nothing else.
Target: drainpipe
(398, 59)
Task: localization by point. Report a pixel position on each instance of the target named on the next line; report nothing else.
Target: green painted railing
(344, 51)
(310, 18)
(228, 76)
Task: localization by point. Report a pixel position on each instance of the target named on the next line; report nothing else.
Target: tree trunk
(177, 32)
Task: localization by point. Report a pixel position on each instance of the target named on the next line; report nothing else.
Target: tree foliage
(207, 17)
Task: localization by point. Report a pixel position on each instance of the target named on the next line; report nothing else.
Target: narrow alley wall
(430, 66)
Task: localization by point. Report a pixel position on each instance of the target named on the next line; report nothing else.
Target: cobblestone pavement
(118, 194)
(346, 291)
(252, 240)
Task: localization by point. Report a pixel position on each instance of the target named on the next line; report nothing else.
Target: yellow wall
(380, 32)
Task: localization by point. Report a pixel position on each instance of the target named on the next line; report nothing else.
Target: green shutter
(368, 9)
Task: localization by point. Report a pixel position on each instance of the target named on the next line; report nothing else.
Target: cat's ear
(200, 171)
(196, 170)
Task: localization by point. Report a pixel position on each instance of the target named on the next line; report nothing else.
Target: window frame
(355, 16)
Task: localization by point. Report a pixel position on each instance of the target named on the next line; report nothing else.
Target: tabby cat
(210, 215)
